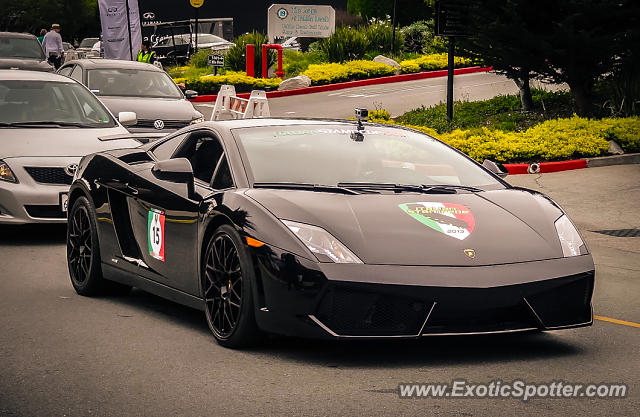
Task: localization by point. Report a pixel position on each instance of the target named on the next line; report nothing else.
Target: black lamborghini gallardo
(325, 229)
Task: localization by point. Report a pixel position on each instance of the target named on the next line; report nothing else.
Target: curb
(545, 167)
(356, 83)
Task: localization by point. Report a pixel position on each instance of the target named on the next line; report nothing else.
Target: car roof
(17, 35)
(22, 75)
(102, 63)
(274, 122)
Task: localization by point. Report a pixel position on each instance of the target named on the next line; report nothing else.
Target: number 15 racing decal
(155, 231)
(453, 220)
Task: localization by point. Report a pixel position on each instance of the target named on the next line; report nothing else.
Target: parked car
(138, 87)
(86, 45)
(47, 123)
(22, 51)
(326, 229)
(176, 49)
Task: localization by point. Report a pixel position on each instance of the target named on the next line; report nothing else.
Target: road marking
(616, 321)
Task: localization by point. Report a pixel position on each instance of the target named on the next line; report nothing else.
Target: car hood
(152, 108)
(465, 229)
(25, 64)
(16, 143)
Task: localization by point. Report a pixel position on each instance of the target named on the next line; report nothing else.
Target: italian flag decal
(155, 231)
(453, 220)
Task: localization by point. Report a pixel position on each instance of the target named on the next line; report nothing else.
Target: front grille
(566, 304)
(49, 175)
(351, 312)
(45, 212)
(451, 317)
(168, 124)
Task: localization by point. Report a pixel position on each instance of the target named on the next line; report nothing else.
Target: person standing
(146, 54)
(52, 44)
(41, 37)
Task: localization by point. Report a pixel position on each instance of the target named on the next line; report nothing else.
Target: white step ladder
(229, 106)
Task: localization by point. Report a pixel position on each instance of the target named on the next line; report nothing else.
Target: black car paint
(297, 295)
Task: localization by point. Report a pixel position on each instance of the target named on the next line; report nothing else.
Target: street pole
(196, 29)
(393, 36)
(450, 79)
(129, 30)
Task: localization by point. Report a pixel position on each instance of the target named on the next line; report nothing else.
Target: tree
(78, 18)
(408, 11)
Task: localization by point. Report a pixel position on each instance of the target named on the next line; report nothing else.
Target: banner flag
(121, 30)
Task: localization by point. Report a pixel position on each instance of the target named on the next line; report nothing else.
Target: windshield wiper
(304, 186)
(397, 188)
(452, 187)
(43, 123)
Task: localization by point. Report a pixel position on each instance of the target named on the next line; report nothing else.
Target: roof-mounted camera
(361, 114)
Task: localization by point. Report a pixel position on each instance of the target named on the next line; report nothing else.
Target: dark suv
(22, 51)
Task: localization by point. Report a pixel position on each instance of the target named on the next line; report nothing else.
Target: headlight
(569, 237)
(320, 241)
(198, 120)
(5, 173)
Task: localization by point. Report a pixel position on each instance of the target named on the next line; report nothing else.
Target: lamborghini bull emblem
(470, 253)
(454, 220)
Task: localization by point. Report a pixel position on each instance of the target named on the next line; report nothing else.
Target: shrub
(295, 63)
(431, 62)
(235, 59)
(352, 70)
(416, 36)
(199, 59)
(345, 44)
(379, 34)
(210, 84)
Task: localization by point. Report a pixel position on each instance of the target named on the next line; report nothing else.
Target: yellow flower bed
(210, 84)
(351, 70)
(559, 139)
(430, 63)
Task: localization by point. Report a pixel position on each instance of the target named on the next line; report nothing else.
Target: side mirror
(495, 168)
(127, 118)
(190, 94)
(176, 170)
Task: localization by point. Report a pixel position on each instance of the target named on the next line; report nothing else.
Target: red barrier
(563, 165)
(250, 60)
(279, 72)
(514, 169)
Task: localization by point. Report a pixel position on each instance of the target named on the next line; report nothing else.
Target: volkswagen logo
(71, 169)
(158, 124)
(149, 15)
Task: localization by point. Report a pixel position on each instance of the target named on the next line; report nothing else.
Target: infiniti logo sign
(149, 15)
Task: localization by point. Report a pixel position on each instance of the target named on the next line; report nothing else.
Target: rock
(301, 81)
(614, 148)
(387, 61)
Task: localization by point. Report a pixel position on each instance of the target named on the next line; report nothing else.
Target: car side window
(205, 157)
(166, 149)
(222, 178)
(76, 74)
(66, 71)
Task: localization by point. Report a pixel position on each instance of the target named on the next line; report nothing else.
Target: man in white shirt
(52, 45)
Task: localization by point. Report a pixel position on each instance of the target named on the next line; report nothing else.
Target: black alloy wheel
(226, 285)
(83, 253)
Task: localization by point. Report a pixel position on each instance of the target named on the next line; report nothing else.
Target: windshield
(207, 38)
(132, 83)
(327, 155)
(45, 101)
(21, 48)
(88, 42)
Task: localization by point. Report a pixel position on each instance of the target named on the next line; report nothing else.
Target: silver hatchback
(47, 124)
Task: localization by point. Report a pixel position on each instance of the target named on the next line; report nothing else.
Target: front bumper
(29, 201)
(301, 298)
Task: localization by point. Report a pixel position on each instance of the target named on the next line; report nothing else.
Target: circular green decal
(283, 13)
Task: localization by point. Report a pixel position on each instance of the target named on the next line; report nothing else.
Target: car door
(165, 219)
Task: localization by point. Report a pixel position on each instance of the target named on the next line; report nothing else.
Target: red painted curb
(515, 169)
(356, 83)
(545, 167)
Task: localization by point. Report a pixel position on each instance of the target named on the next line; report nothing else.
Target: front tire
(83, 253)
(227, 282)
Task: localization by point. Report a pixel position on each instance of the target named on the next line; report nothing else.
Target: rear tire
(227, 283)
(83, 253)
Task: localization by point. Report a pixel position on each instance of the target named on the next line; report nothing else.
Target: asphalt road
(397, 98)
(63, 354)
